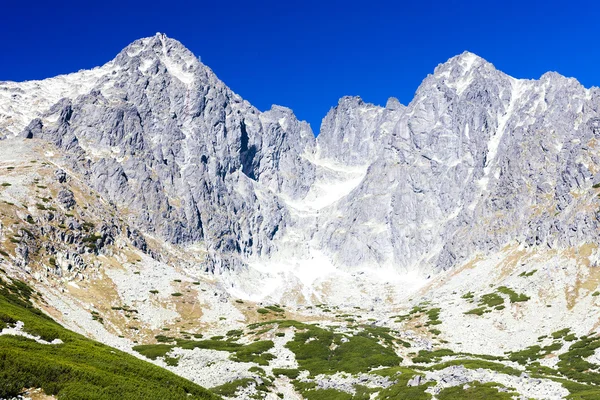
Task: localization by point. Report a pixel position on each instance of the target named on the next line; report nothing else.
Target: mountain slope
(36, 352)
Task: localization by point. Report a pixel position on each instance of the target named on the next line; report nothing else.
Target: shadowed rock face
(477, 160)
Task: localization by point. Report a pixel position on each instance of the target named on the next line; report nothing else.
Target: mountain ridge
(157, 132)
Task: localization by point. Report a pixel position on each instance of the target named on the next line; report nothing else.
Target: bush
(359, 353)
(290, 373)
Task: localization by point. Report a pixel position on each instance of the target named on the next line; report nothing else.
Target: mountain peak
(462, 64)
(180, 62)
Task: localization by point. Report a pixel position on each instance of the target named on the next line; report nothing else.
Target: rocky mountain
(177, 151)
(443, 248)
(476, 161)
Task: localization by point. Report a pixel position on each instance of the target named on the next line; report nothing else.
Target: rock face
(477, 160)
(159, 135)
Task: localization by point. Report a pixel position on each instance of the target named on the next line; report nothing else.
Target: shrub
(513, 296)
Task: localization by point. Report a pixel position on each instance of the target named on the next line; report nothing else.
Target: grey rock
(66, 199)
(414, 381)
(476, 161)
(60, 175)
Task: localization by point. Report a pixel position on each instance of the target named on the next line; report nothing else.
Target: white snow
(334, 182)
(174, 68)
(17, 330)
(20, 102)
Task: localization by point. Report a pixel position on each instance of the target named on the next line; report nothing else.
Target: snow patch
(17, 330)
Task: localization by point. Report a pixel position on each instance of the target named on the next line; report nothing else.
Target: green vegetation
(476, 391)
(533, 353)
(6, 184)
(512, 295)
(477, 311)
(253, 352)
(290, 373)
(492, 300)
(573, 365)
(176, 294)
(230, 388)
(400, 390)
(321, 351)
(263, 311)
(476, 364)
(78, 369)
(426, 356)
(527, 274)
(172, 361)
(561, 333)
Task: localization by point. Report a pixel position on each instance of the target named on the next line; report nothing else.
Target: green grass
(78, 369)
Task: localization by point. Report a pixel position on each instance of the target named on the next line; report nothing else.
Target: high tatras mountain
(152, 208)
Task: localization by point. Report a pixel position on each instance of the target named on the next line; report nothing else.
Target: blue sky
(307, 54)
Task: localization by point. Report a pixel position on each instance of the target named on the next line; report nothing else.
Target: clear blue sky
(308, 54)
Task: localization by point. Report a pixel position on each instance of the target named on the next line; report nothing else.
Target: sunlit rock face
(476, 161)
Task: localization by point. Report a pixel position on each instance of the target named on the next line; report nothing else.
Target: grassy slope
(80, 368)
